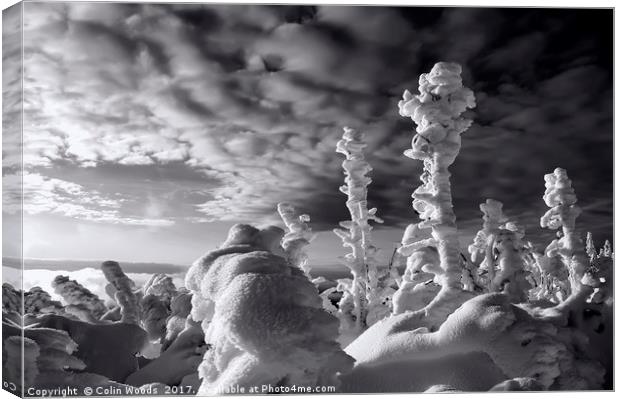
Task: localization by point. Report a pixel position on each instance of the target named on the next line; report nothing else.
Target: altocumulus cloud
(54, 196)
(254, 99)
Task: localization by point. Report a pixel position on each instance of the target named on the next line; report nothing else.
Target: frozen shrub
(499, 250)
(553, 285)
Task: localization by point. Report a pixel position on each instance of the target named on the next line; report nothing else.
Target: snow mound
(262, 317)
(518, 345)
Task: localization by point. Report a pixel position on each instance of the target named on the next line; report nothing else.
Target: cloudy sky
(150, 129)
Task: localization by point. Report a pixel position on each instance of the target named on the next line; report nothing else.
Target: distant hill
(71, 265)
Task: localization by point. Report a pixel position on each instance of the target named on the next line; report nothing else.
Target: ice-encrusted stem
(437, 113)
(355, 233)
(561, 198)
(298, 236)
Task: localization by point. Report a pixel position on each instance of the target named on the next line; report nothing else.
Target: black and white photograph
(210, 198)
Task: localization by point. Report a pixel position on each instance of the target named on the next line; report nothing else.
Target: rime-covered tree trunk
(437, 113)
(356, 233)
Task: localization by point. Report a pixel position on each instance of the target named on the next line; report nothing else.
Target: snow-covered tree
(122, 289)
(499, 250)
(437, 112)
(511, 277)
(356, 233)
(568, 247)
(553, 285)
